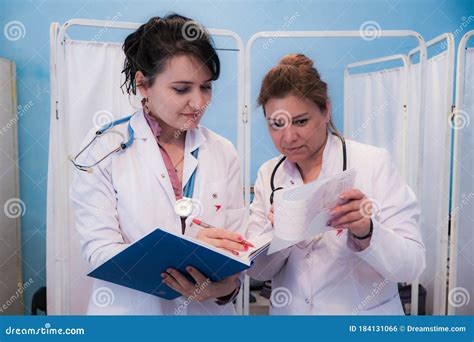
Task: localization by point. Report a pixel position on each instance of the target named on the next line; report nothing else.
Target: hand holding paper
(301, 213)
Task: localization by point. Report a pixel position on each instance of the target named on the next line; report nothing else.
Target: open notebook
(140, 265)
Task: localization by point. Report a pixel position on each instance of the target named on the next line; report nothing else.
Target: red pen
(207, 225)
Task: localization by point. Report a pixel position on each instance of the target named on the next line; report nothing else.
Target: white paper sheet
(302, 212)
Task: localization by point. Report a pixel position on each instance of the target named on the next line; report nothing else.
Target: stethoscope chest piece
(184, 207)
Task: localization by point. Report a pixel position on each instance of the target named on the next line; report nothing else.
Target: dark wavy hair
(157, 41)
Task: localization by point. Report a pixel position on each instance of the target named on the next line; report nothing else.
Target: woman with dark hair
(355, 267)
(172, 165)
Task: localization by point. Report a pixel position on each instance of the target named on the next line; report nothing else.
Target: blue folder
(140, 265)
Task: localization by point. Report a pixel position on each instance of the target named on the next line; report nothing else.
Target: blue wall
(31, 53)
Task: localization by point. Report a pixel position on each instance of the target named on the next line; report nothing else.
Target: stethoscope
(272, 178)
(183, 207)
(99, 133)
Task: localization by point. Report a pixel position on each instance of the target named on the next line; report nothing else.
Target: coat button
(292, 182)
(306, 300)
(163, 176)
(307, 256)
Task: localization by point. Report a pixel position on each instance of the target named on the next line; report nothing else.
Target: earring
(145, 105)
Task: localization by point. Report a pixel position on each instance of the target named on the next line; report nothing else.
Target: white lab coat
(332, 276)
(129, 194)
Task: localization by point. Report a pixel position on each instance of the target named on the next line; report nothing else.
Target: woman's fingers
(348, 215)
(171, 282)
(219, 233)
(222, 238)
(230, 245)
(354, 199)
(342, 209)
(198, 276)
(342, 220)
(180, 279)
(352, 194)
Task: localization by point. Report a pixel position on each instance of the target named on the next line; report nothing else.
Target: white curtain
(91, 84)
(398, 124)
(435, 173)
(374, 110)
(463, 295)
(11, 207)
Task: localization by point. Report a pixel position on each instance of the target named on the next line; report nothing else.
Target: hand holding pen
(222, 238)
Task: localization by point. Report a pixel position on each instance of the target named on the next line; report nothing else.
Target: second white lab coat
(129, 194)
(332, 276)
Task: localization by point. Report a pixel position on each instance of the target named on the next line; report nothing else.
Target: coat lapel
(194, 140)
(149, 152)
